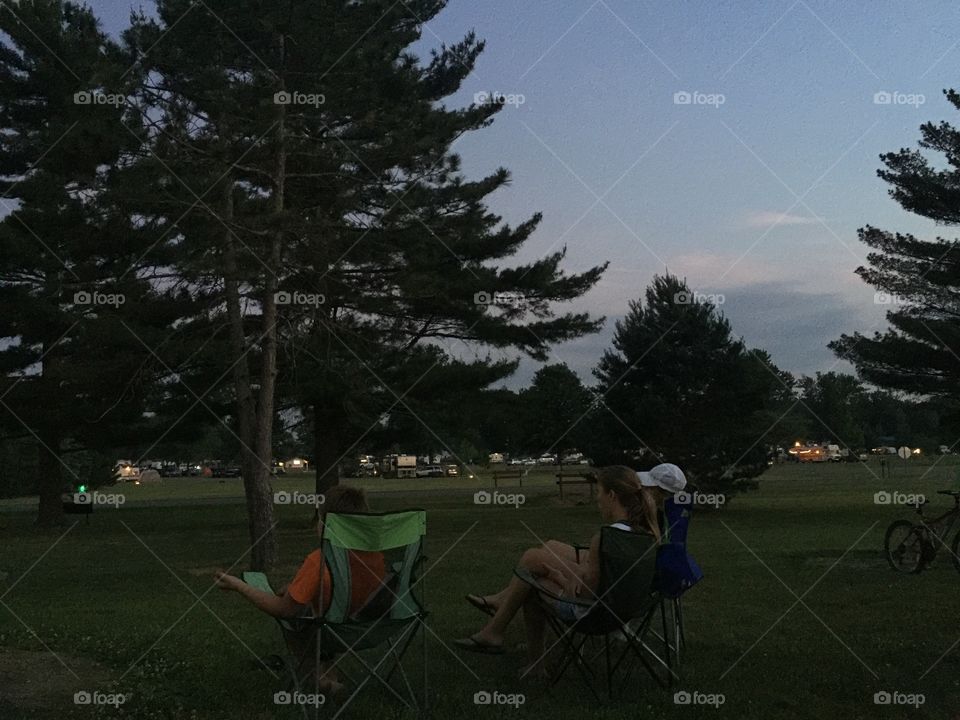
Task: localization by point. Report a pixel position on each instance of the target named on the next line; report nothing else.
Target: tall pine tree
(302, 159)
(678, 387)
(918, 279)
(78, 310)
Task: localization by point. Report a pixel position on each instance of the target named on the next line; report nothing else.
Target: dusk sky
(753, 191)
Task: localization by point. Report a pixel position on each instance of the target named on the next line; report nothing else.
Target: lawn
(798, 617)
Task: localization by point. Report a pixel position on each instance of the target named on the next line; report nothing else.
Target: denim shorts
(567, 611)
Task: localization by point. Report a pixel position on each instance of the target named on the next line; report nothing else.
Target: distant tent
(149, 476)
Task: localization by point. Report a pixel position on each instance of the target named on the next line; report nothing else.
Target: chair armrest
(257, 580)
(533, 582)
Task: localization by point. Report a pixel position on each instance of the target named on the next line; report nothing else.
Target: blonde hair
(640, 503)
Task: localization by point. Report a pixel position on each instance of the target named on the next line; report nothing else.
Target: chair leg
(606, 653)
(668, 651)
(680, 625)
(678, 639)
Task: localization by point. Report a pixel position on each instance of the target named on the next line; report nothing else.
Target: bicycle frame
(940, 527)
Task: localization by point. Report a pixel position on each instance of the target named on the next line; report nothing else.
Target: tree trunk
(265, 553)
(255, 471)
(50, 480)
(50, 435)
(328, 446)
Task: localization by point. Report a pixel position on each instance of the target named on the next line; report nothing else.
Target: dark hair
(640, 504)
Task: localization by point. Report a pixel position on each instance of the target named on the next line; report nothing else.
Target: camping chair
(619, 615)
(677, 572)
(387, 621)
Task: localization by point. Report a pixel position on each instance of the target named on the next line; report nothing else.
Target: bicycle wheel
(903, 544)
(956, 551)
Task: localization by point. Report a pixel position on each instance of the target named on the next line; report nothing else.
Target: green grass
(121, 591)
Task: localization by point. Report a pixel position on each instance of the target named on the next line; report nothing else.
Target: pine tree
(918, 279)
(678, 387)
(76, 310)
(302, 159)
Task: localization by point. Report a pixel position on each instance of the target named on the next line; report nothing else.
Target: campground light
(796, 444)
(81, 488)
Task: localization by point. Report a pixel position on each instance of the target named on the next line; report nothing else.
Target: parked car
(452, 471)
(430, 471)
(168, 470)
(225, 471)
(547, 459)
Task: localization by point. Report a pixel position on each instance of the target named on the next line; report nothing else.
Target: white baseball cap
(666, 476)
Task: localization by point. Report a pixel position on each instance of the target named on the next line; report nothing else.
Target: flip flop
(474, 645)
(481, 604)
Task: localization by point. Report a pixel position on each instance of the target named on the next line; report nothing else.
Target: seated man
(313, 585)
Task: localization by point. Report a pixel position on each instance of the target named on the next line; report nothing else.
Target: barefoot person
(625, 504)
(311, 587)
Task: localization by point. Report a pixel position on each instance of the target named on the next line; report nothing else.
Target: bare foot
(536, 671)
(329, 686)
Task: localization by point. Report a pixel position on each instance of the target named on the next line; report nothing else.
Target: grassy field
(798, 616)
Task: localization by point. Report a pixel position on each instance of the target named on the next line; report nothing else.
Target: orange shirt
(367, 570)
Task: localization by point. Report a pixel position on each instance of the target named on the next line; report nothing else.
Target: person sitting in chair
(312, 586)
(626, 503)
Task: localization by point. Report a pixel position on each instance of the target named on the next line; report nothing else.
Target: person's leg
(535, 622)
(513, 597)
(556, 553)
(328, 680)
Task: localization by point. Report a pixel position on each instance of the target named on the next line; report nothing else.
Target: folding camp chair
(677, 572)
(389, 619)
(619, 616)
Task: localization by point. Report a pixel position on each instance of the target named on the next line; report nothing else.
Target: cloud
(767, 218)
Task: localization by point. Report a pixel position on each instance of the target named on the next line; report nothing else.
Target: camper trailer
(399, 466)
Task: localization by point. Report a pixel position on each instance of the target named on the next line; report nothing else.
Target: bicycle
(911, 547)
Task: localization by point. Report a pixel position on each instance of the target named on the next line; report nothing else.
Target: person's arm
(573, 581)
(278, 606)
(590, 569)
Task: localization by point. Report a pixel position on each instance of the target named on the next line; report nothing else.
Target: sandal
(481, 604)
(474, 645)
